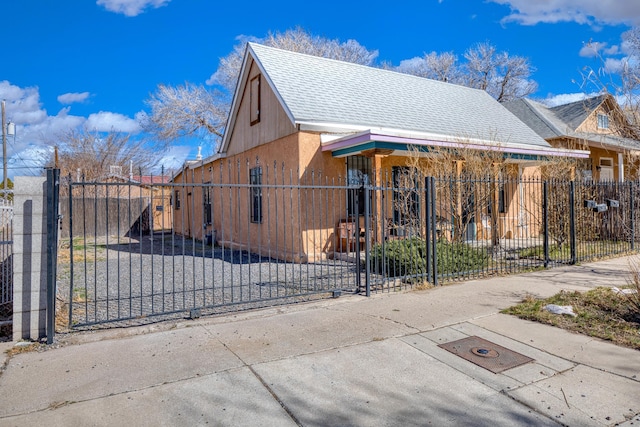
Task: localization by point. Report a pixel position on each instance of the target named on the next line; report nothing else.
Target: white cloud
(105, 121)
(37, 131)
(33, 124)
(131, 7)
(71, 97)
(414, 64)
(613, 50)
(564, 98)
(592, 12)
(612, 65)
(29, 161)
(47, 131)
(22, 105)
(174, 158)
(592, 49)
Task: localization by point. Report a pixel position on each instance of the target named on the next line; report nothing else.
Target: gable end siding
(274, 122)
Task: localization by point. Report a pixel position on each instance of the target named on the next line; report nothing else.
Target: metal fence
(221, 244)
(6, 265)
(230, 247)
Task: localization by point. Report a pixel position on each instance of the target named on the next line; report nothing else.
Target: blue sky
(69, 63)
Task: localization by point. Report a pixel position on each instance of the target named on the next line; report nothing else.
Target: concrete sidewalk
(349, 361)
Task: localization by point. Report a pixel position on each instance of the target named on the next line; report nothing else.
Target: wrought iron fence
(223, 245)
(213, 240)
(6, 264)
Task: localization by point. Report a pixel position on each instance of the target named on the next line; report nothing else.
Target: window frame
(254, 100)
(255, 195)
(405, 173)
(207, 205)
(359, 172)
(176, 199)
(603, 121)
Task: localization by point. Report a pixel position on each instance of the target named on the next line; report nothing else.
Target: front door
(606, 169)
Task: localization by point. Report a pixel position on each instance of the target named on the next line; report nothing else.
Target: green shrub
(407, 257)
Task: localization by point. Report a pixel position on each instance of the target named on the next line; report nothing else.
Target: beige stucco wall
(298, 223)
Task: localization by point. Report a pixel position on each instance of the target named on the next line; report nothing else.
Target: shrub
(407, 257)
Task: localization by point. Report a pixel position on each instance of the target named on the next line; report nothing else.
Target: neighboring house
(159, 191)
(128, 205)
(597, 124)
(335, 119)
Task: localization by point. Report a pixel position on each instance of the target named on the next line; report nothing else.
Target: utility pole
(4, 149)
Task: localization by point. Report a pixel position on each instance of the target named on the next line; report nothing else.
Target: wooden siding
(273, 124)
(590, 125)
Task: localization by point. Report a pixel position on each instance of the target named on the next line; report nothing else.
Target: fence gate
(119, 261)
(6, 268)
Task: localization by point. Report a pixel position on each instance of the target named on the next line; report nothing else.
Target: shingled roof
(326, 94)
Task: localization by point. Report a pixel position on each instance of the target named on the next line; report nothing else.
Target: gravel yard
(161, 277)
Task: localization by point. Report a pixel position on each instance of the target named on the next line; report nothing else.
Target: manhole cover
(486, 354)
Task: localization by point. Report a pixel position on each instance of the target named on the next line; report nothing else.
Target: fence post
(428, 230)
(545, 217)
(434, 237)
(632, 217)
(29, 258)
(53, 186)
(367, 237)
(572, 222)
(71, 269)
(356, 243)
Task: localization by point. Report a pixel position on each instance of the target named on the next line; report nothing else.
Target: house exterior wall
(297, 223)
(590, 125)
(598, 153)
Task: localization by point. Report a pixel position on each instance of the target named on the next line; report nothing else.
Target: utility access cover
(486, 354)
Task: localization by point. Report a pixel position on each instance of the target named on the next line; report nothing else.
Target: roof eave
(341, 147)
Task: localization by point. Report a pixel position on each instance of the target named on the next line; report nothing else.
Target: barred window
(255, 180)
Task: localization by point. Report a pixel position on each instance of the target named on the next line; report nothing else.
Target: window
(603, 121)
(254, 94)
(255, 180)
(406, 197)
(502, 199)
(358, 173)
(176, 199)
(206, 200)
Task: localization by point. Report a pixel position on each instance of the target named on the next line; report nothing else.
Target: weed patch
(601, 313)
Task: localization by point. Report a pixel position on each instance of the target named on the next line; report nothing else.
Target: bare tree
(186, 110)
(89, 155)
(503, 76)
(436, 66)
(294, 40)
(466, 185)
(190, 109)
(619, 78)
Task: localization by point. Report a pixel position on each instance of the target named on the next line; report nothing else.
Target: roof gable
(574, 114)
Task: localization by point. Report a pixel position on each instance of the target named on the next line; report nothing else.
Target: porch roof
(399, 143)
